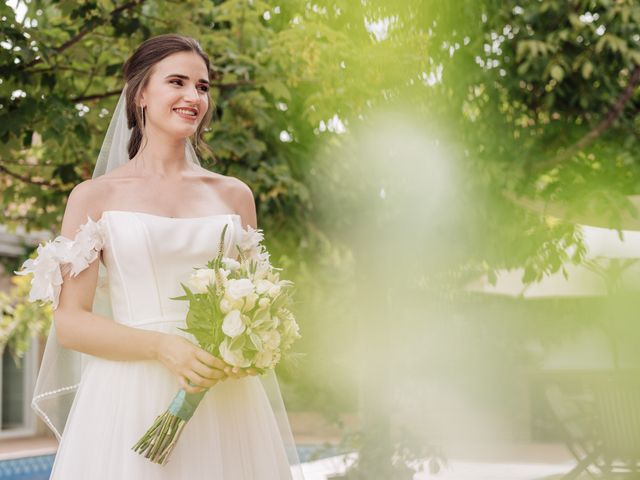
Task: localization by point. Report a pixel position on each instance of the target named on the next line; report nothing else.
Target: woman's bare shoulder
(237, 194)
(121, 172)
(224, 181)
(90, 194)
(91, 189)
(86, 199)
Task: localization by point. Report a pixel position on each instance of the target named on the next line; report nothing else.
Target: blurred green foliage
(20, 321)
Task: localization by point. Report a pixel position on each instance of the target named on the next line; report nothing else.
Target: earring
(144, 122)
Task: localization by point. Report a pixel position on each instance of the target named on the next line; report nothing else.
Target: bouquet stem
(158, 441)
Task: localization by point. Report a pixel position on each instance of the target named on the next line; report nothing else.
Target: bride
(130, 235)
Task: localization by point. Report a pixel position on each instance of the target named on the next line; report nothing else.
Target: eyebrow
(185, 77)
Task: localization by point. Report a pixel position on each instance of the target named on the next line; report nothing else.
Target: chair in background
(617, 420)
(574, 419)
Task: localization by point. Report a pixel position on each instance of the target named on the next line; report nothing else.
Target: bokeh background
(451, 184)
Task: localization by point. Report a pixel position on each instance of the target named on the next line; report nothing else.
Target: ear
(142, 101)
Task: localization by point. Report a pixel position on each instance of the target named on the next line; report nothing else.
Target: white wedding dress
(233, 435)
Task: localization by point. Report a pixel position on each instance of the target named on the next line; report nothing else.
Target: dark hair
(137, 71)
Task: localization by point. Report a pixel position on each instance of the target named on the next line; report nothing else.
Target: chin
(181, 132)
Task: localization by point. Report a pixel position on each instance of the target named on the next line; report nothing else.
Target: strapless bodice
(147, 256)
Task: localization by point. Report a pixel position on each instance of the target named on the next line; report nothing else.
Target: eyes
(202, 87)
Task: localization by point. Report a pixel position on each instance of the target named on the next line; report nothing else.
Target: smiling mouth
(186, 113)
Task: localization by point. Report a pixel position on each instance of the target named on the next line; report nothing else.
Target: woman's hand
(189, 363)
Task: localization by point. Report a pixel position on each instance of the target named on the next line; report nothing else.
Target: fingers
(237, 372)
(198, 382)
(219, 369)
(184, 383)
(232, 372)
(209, 360)
(206, 372)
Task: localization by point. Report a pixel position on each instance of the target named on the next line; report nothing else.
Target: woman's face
(176, 98)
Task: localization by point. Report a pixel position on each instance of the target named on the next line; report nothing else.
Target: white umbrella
(611, 262)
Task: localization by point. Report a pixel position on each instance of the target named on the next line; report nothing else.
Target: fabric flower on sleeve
(62, 255)
(86, 246)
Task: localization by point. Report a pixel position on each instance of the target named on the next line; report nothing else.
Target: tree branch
(60, 67)
(590, 137)
(82, 33)
(97, 96)
(41, 183)
(628, 217)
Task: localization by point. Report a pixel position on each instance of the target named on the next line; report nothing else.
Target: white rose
(233, 325)
(201, 278)
(264, 302)
(233, 357)
(230, 263)
(239, 288)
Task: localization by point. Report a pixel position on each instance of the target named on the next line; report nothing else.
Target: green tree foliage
(542, 94)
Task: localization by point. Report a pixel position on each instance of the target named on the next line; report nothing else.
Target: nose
(191, 94)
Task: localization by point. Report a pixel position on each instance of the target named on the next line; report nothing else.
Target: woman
(150, 214)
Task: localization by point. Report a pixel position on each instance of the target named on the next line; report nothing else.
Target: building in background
(17, 382)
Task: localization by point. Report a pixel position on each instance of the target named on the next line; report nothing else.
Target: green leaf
(587, 69)
(277, 89)
(255, 339)
(557, 72)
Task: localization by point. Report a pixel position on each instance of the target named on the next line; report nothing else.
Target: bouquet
(237, 311)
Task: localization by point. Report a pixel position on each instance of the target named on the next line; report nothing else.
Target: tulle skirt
(233, 434)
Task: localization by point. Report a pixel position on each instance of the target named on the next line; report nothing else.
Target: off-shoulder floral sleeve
(62, 255)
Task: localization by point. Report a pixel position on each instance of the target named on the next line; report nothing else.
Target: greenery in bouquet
(238, 307)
